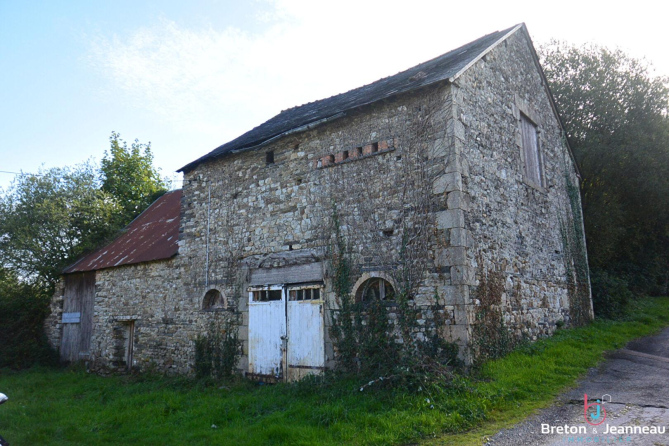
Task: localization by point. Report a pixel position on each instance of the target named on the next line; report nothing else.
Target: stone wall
(52, 323)
(441, 167)
(374, 168)
(500, 220)
(166, 318)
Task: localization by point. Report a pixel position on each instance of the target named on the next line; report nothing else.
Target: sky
(188, 76)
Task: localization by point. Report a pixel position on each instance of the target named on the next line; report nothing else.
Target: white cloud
(225, 81)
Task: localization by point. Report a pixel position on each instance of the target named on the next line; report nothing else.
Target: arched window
(375, 288)
(213, 301)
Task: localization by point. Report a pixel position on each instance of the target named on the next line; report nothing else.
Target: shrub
(217, 352)
(610, 294)
(23, 308)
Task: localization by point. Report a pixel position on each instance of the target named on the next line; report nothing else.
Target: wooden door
(77, 319)
(267, 331)
(305, 335)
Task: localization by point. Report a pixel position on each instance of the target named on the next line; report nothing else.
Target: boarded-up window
(532, 160)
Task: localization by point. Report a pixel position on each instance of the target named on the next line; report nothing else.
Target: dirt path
(636, 378)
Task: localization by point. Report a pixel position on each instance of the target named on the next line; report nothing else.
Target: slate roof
(153, 235)
(439, 69)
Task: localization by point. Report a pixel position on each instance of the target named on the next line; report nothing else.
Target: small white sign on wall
(71, 318)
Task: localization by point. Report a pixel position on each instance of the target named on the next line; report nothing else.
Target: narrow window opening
(375, 147)
(387, 232)
(331, 159)
(266, 295)
(345, 155)
(269, 158)
(359, 151)
(532, 158)
(304, 293)
(398, 158)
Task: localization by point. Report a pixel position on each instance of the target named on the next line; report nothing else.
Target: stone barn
(441, 182)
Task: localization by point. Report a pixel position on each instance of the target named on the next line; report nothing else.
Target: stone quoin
(468, 146)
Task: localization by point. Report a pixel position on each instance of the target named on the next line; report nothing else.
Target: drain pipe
(209, 201)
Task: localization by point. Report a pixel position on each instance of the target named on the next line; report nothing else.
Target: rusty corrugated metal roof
(153, 235)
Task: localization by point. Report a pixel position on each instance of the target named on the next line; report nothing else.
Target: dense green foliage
(218, 351)
(23, 307)
(72, 407)
(616, 116)
(129, 176)
(48, 220)
(378, 339)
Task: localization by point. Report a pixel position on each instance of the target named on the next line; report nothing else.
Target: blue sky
(189, 76)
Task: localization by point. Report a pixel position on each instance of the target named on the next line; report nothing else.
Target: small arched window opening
(213, 301)
(375, 288)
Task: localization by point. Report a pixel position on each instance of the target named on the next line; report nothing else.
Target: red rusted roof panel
(153, 235)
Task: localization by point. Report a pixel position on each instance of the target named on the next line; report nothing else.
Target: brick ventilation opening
(365, 151)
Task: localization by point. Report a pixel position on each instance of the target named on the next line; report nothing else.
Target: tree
(129, 176)
(47, 220)
(23, 308)
(616, 117)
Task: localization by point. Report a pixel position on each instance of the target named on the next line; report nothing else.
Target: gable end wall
(514, 225)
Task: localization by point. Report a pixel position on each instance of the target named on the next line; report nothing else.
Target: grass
(70, 407)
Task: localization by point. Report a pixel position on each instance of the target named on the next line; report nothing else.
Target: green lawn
(67, 407)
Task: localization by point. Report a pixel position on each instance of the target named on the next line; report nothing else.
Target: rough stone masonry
(446, 160)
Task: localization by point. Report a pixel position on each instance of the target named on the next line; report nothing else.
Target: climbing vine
(490, 336)
(218, 351)
(574, 258)
(382, 340)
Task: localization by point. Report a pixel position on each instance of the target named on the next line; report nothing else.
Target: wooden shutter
(531, 152)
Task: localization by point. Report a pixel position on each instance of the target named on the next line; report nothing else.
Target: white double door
(286, 331)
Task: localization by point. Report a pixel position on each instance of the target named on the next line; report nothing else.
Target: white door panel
(305, 353)
(286, 336)
(267, 329)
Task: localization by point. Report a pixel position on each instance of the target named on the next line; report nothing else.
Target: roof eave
(305, 127)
